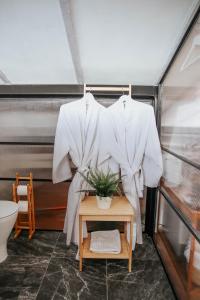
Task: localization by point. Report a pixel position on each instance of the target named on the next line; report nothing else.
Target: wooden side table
(120, 210)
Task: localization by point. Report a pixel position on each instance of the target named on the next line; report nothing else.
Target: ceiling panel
(76, 41)
(34, 47)
(129, 41)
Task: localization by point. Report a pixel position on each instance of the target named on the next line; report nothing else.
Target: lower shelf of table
(124, 254)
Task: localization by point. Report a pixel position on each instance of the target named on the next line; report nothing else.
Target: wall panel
(27, 130)
(50, 202)
(29, 120)
(25, 159)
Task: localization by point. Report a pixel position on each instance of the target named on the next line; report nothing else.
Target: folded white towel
(105, 242)
(23, 206)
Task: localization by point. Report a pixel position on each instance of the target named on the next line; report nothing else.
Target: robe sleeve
(61, 164)
(152, 161)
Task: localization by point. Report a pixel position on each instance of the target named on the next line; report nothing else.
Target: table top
(120, 206)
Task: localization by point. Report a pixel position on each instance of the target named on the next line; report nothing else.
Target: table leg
(80, 244)
(125, 229)
(130, 245)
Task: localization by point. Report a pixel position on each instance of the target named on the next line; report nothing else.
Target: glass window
(180, 96)
(181, 181)
(180, 136)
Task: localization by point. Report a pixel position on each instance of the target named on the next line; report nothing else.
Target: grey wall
(27, 130)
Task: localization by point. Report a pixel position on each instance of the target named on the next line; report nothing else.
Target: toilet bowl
(8, 216)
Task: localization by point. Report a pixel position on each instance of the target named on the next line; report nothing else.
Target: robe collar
(89, 98)
(125, 100)
(121, 118)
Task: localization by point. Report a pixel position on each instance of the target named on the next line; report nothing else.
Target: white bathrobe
(132, 140)
(77, 134)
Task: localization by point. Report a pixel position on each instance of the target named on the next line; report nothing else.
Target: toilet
(8, 216)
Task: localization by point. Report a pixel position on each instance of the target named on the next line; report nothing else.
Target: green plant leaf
(104, 184)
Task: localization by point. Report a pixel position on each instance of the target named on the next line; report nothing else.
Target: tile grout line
(47, 265)
(106, 279)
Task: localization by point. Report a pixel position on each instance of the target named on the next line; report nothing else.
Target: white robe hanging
(77, 134)
(132, 140)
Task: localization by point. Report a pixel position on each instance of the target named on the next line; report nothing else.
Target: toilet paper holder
(23, 195)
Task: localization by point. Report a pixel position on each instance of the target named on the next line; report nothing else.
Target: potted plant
(105, 185)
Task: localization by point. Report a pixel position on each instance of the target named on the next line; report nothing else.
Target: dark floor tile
(20, 276)
(143, 271)
(9, 293)
(27, 294)
(61, 250)
(44, 268)
(159, 290)
(42, 244)
(64, 281)
(146, 281)
(146, 250)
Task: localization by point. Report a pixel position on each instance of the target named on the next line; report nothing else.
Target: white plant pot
(103, 202)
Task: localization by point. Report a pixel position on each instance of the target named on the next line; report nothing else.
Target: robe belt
(139, 181)
(138, 176)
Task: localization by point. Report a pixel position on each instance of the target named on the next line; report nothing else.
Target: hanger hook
(84, 89)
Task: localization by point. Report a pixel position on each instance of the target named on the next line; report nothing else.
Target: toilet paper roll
(23, 206)
(22, 190)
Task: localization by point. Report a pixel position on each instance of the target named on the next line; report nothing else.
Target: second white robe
(132, 140)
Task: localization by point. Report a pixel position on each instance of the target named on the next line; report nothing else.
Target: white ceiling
(76, 41)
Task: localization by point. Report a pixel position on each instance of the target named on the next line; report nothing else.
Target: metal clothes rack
(126, 88)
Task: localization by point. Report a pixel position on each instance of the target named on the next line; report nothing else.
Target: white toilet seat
(7, 208)
(8, 216)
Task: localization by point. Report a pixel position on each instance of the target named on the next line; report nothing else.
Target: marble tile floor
(44, 268)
